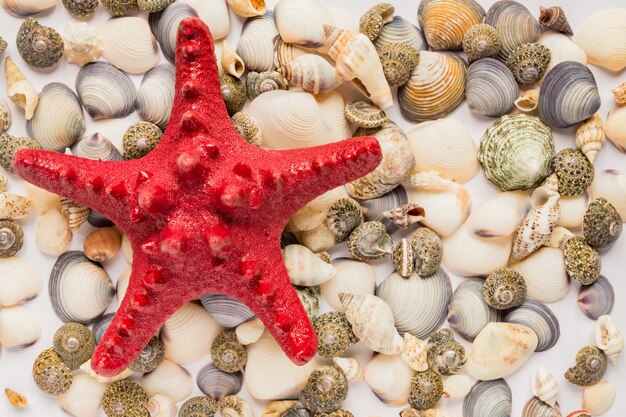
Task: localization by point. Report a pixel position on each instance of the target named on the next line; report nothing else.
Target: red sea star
(204, 211)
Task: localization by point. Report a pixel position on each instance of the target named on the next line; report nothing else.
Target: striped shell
(468, 312)
(256, 44)
(515, 25)
(400, 30)
(540, 319)
(105, 91)
(156, 94)
(445, 21)
(164, 26)
(129, 45)
(554, 18)
(490, 88)
(597, 299)
(536, 228)
(492, 398)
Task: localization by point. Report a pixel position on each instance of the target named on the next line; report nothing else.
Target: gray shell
(400, 30)
(155, 95)
(489, 398)
(101, 324)
(105, 91)
(468, 313)
(597, 299)
(370, 241)
(428, 251)
(374, 208)
(538, 317)
(225, 310)
(164, 26)
(515, 25)
(490, 88)
(534, 407)
(218, 384)
(96, 147)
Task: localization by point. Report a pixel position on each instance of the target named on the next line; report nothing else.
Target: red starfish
(204, 210)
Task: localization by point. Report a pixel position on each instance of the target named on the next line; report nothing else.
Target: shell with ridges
(389, 377)
(590, 367)
(582, 262)
(544, 274)
(227, 353)
(537, 227)
(150, 356)
(20, 90)
(446, 209)
(256, 44)
(444, 22)
(352, 277)
(562, 48)
(169, 379)
(53, 235)
(95, 146)
(233, 93)
(105, 91)
(540, 319)
(499, 215)
(161, 406)
(120, 7)
(40, 46)
(364, 114)
(590, 136)
(76, 213)
(310, 298)
(200, 406)
(301, 21)
(125, 397)
(545, 386)
(609, 338)
(84, 397)
(11, 238)
(574, 171)
(370, 241)
(235, 406)
(139, 139)
(342, 217)
(615, 125)
(247, 128)
(515, 25)
(599, 398)
(405, 215)
(602, 224)
(18, 281)
(250, 331)
(374, 209)
(74, 343)
(334, 333)
(24, 8)
(490, 87)
(534, 407)
(164, 26)
(528, 62)
(217, 384)
(129, 45)
(312, 73)
(504, 289)
(373, 20)
(325, 390)
(554, 18)
(155, 95)
(20, 326)
(214, 13)
(468, 313)
(415, 352)
(611, 184)
(400, 30)
(597, 299)
(305, 268)
(284, 52)
(350, 367)
(151, 6)
(602, 50)
(82, 43)
(398, 62)
(481, 41)
(446, 358)
(50, 374)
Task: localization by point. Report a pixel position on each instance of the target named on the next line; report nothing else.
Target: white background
(576, 329)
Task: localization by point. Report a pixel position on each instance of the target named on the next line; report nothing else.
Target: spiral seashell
(161, 406)
(597, 299)
(504, 289)
(398, 61)
(590, 367)
(168, 379)
(315, 211)
(515, 25)
(574, 171)
(554, 18)
(5, 117)
(305, 268)
(155, 95)
(120, 7)
(256, 44)
(545, 386)
(250, 331)
(405, 215)
(75, 213)
(105, 91)
(364, 114)
(342, 217)
(537, 227)
(11, 238)
(25, 8)
(18, 281)
(544, 274)
(446, 358)
(139, 139)
(129, 45)
(325, 390)
(373, 20)
(82, 42)
(50, 373)
(590, 136)
(370, 241)
(84, 396)
(399, 30)
(247, 8)
(334, 333)
(534, 407)
(218, 384)
(582, 262)
(540, 319)
(125, 397)
(150, 356)
(389, 377)
(247, 128)
(20, 90)
(490, 88)
(302, 21)
(226, 311)
(528, 101)
(164, 26)
(468, 313)
(284, 52)
(415, 353)
(350, 367)
(374, 208)
(227, 353)
(611, 184)
(312, 73)
(234, 406)
(444, 22)
(426, 390)
(203, 406)
(602, 50)
(231, 62)
(599, 398)
(351, 276)
(96, 147)
(74, 343)
(58, 121)
(40, 46)
(310, 298)
(481, 41)
(14, 206)
(609, 338)
(428, 251)
(528, 62)
(233, 93)
(562, 48)
(419, 305)
(435, 89)
(602, 224)
(73, 270)
(20, 326)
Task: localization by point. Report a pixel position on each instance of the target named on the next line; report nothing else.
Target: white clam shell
(19, 282)
(188, 334)
(19, 327)
(86, 368)
(82, 43)
(389, 377)
(544, 274)
(168, 379)
(599, 398)
(161, 406)
(609, 338)
(468, 312)
(353, 277)
(538, 225)
(267, 362)
(105, 91)
(615, 127)
(603, 38)
(610, 184)
(414, 352)
(499, 215)
(24, 8)
(351, 368)
(129, 45)
(256, 44)
(306, 268)
(457, 386)
(545, 386)
(215, 14)
(446, 209)
(156, 94)
(572, 211)
(83, 398)
(302, 21)
(20, 90)
(249, 331)
(562, 48)
(499, 350)
(53, 235)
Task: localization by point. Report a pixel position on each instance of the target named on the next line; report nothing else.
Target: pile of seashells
(517, 248)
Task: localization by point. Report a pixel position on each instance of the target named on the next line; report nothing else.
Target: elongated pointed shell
(590, 136)
(490, 87)
(20, 326)
(492, 398)
(468, 313)
(609, 338)
(129, 45)
(445, 22)
(352, 277)
(545, 386)
(604, 50)
(599, 398)
(20, 90)
(84, 397)
(312, 73)
(545, 275)
(536, 228)
(515, 25)
(611, 184)
(168, 379)
(105, 91)
(155, 95)
(389, 377)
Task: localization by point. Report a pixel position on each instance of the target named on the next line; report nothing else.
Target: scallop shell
(168, 379)
(82, 43)
(419, 305)
(40, 46)
(53, 233)
(226, 311)
(97, 147)
(24, 8)
(18, 282)
(165, 24)
(218, 384)
(534, 407)
(445, 209)
(602, 50)
(20, 90)
(20, 326)
(58, 121)
(444, 22)
(499, 350)
(599, 398)
(444, 146)
(188, 334)
(490, 88)
(214, 13)
(312, 73)
(436, 87)
(609, 338)
(256, 44)
(515, 25)
(306, 268)
(372, 21)
(352, 277)
(597, 299)
(370, 241)
(400, 30)
(590, 367)
(83, 397)
(481, 41)
(266, 361)
(73, 273)
(610, 184)
(250, 331)
(161, 406)
(389, 377)
(468, 313)
(602, 224)
(155, 95)
(11, 238)
(545, 386)
(492, 397)
(129, 45)
(537, 227)
(105, 91)
(582, 262)
(350, 367)
(540, 319)
(562, 48)
(302, 21)
(545, 275)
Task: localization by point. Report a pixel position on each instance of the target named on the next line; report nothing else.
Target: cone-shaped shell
(536, 228)
(490, 88)
(312, 73)
(603, 37)
(20, 90)
(609, 338)
(515, 25)
(445, 21)
(590, 136)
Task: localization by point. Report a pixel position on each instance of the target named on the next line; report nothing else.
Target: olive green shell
(334, 334)
(591, 364)
(398, 61)
(342, 217)
(446, 358)
(80, 8)
(310, 298)
(125, 399)
(441, 336)
(428, 251)
(120, 7)
(40, 46)
(74, 343)
(528, 62)
(574, 171)
(198, 407)
(51, 375)
(504, 288)
(325, 390)
(233, 93)
(11, 238)
(152, 6)
(227, 353)
(364, 114)
(258, 83)
(336, 413)
(481, 41)
(140, 138)
(602, 224)
(150, 357)
(403, 258)
(426, 390)
(373, 20)
(9, 145)
(582, 262)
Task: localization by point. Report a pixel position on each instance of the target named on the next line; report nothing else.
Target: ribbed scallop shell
(24, 8)
(155, 95)
(97, 147)
(545, 275)
(540, 319)
(400, 30)
(20, 327)
(616, 126)
(597, 299)
(444, 22)
(353, 277)
(419, 305)
(168, 379)
(302, 21)
(599, 398)
(609, 338)
(389, 377)
(82, 43)
(164, 26)
(436, 87)
(73, 273)
(58, 121)
(227, 311)
(537, 227)
(312, 73)
(256, 44)
(218, 384)
(129, 45)
(515, 25)
(490, 88)
(105, 91)
(446, 209)
(603, 38)
(492, 398)
(545, 386)
(610, 184)
(468, 313)
(19, 282)
(84, 397)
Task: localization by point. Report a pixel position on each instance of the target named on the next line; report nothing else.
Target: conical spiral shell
(302, 21)
(20, 90)
(445, 21)
(603, 37)
(545, 386)
(537, 226)
(609, 338)
(515, 25)
(312, 73)
(590, 136)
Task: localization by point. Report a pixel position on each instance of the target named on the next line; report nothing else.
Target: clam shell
(609, 338)
(490, 88)
(615, 125)
(226, 311)
(306, 268)
(599, 398)
(562, 48)
(352, 277)
(84, 397)
(24, 8)
(534, 407)
(419, 305)
(457, 386)
(540, 319)
(544, 274)
(499, 215)
(161, 406)
(53, 233)
(400, 30)
(168, 379)
(256, 44)
(105, 91)
(389, 377)
(218, 384)
(101, 324)
(73, 273)
(602, 50)
(537, 227)
(436, 87)
(58, 121)
(165, 24)
(97, 147)
(82, 43)
(312, 73)
(444, 22)
(20, 90)
(491, 398)
(18, 282)
(610, 184)
(597, 299)
(214, 13)
(284, 52)
(568, 95)
(155, 95)
(302, 21)
(19, 327)
(444, 146)
(572, 211)
(499, 350)
(350, 367)
(515, 25)
(129, 45)
(446, 209)
(468, 313)
(545, 386)
(249, 331)
(374, 208)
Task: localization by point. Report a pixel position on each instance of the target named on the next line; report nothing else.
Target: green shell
(150, 357)
(11, 238)
(441, 336)
(428, 251)
(373, 20)
(227, 353)
(336, 413)
(139, 139)
(516, 152)
(481, 41)
(152, 6)
(125, 399)
(504, 288)
(51, 375)
(426, 390)
(398, 61)
(233, 93)
(582, 262)
(591, 364)
(370, 241)
(364, 114)
(81, 8)
(528, 62)
(74, 343)
(343, 216)
(198, 407)
(9, 145)
(574, 171)
(446, 358)
(120, 7)
(310, 297)
(334, 334)
(40, 46)
(325, 390)
(602, 224)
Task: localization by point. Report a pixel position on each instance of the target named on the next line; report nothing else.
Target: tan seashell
(302, 21)
(545, 386)
(536, 228)
(16, 399)
(102, 244)
(247, 8)
(615, 127)
(499, 350)
(389, 377)
(231, 61)
(405, 215)
(457, 386)
(306, 268)
(82, 43)
(25, 8)
(314, 212)
(318, 239)
(250, 331)
(161, 406)
(76, 213)
(20, 327)
(444, 22)
(559, 236)
(599, 398)
(84, 396)
(14, 206)
(572, 211)
(20, 90)
(590, 136)
(18, 282)
(284, 52)
(312, 73)
(446, 209)
(214, 13)
(86, 368)
(609, 338)
(53, 233)
(528, 101)
(168, 379)
(353, 277)
(610, 184)
(127, 249)
(429, 180)
(350, 367)
(619, 94)
(414, 352)
(499, 215)
(129, 45)
(544, 274)
(562, 48)
(603, 37)
(554, 18)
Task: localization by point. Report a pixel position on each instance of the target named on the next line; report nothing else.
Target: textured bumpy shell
(481, 41)
(504, 289)
(528, 62)
(574, 171)
(602, 224)
(582, 262)
(591, 364)
(40, 46)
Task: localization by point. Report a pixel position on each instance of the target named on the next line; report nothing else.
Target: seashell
(334, 334)
(247, 8)
(314, 212)
(427, 250)
(444, 146)
(504, 289)
(101, 324)
(74, 343)
(287, 408)
(356, 57)
(139, 139)
(120, 7)
(352, 277)
(73, 273)
(499, 215)
(350, 368)
(457, 386)
(534, 407)
(374, 208)
(373, 20)
(380, 334)
(82, 42)
(306, 268)
(83, 398)
(610, 184)
(325, 390)
(18, 281)
(227, 353)
(155, 95)
(572, 211)
(545, 386)
(609, 338)
(20, 326)
(249, 331)
(370, 241)
(445, 22)
(150, 356)
(129, 45)
(515, 25)
(558, 237)
(537, 227)
(168, 379)
(11, 239)
(582, 262)
(247, 128)
(234, 406)
(400, 30)
(312, 73)
(429, 180)
(256, 44)
(601, 50)
(266, 361)
(214, 13)
(50, 374)
(481, 41)
(614, 128)
(310, 298)
(233, 93)
(562, 48)
(599, 398)
(499, 350)
(389, 377)
(395, 166)
(218, 384)
(436, 87)
(125, 397)
(284, 52)
(40, 46)
(259, 83)
(619, 94)
(554, 18)
(58, 121)
(490, 87)
(24, 8)
(20, 90)
(319, 239)
(574, 171)
(364, 114)
(602, 224)
(5, 117)
(53, 233)
(42, 200)
(468, 313)
(75, 213)
(203, 406)
(528, 62)
(97, 147)
(231, 62)
(403, 258)
(446, 358)
(398, 61)
(105, 91)
(4, 181)
(161, 406)
(516, 152)
(426, 390)
(302, 21)
(597, 299)
(342, 217)
(591, 364)
(580, 413)
(305, 119)
(102, 244)
(544, 274)
(405, 215)
(540, 319)
(3, 45)
(80, 8)
(528, 101)
(164, 26)
(419, 305)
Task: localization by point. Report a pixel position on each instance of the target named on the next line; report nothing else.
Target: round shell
(504, 289)
(150, 357)
(444, 22)
(492, 398)
(343, 216)
(155, 95)
(574, 171)
(233, 93)
(428, 251)
(602, 50)
(325, 390)
(198, 407)
(227, 353)
(258, 83)
(597, 299)
(129, 45)
(120, 7)
(400, 30)
(218, 384)
(365, 114)
(256, 44)
(481, 41)
(139, 139)
(426, 390)
(370, 241)
(40, 46)
(11, 238)
(125, 399)
(80, 8)
(582, 262)
(372, 21)
(74, 343)
(398, 61)
(446, 358)
(468, 312)
(591, 364)
(528, 62)
(490, 88)
(225, 310)
(602, 224)
(515, 25)
(540, 319)
(105, 91)
(51, 375)
(334, 334)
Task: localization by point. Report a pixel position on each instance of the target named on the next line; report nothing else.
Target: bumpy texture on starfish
(204, 210)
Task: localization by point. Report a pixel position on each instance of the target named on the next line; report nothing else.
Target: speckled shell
(233, 93)
(343, 216)
(528, 62)
(491, 398)
(590, 136)
(540, 319)
(602, 224)
(582, 262)
(364, 114)
(415, 352)
(574, 171)
(446, 358)
(247, 128)
(105, 91)
(504, 289)
(80, 8)
(591, 364)
(82, 42)
(74, 343)
(468, 313)
(400, 30)
(490, 88)
(405, 215)
(597, 299)
(312, 73)
(129, 45)
(603, 37)
(151, 6)
(426, 390)
(445, 21)
(370, 241)
(609, 338)
(40, 46)
(403, 258)
(150, 357)
(256, 44)
(120, 7)
(227, 353)
(372, 21)
(5, 117)
(51, 375)
(155, 95)
(139, 139)
(325, 390)
(427, 250)
(3, 45)
(481, 41)
(515, 25)
(398, 62)
(537, 227)
(9, 145)
(334, 333)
